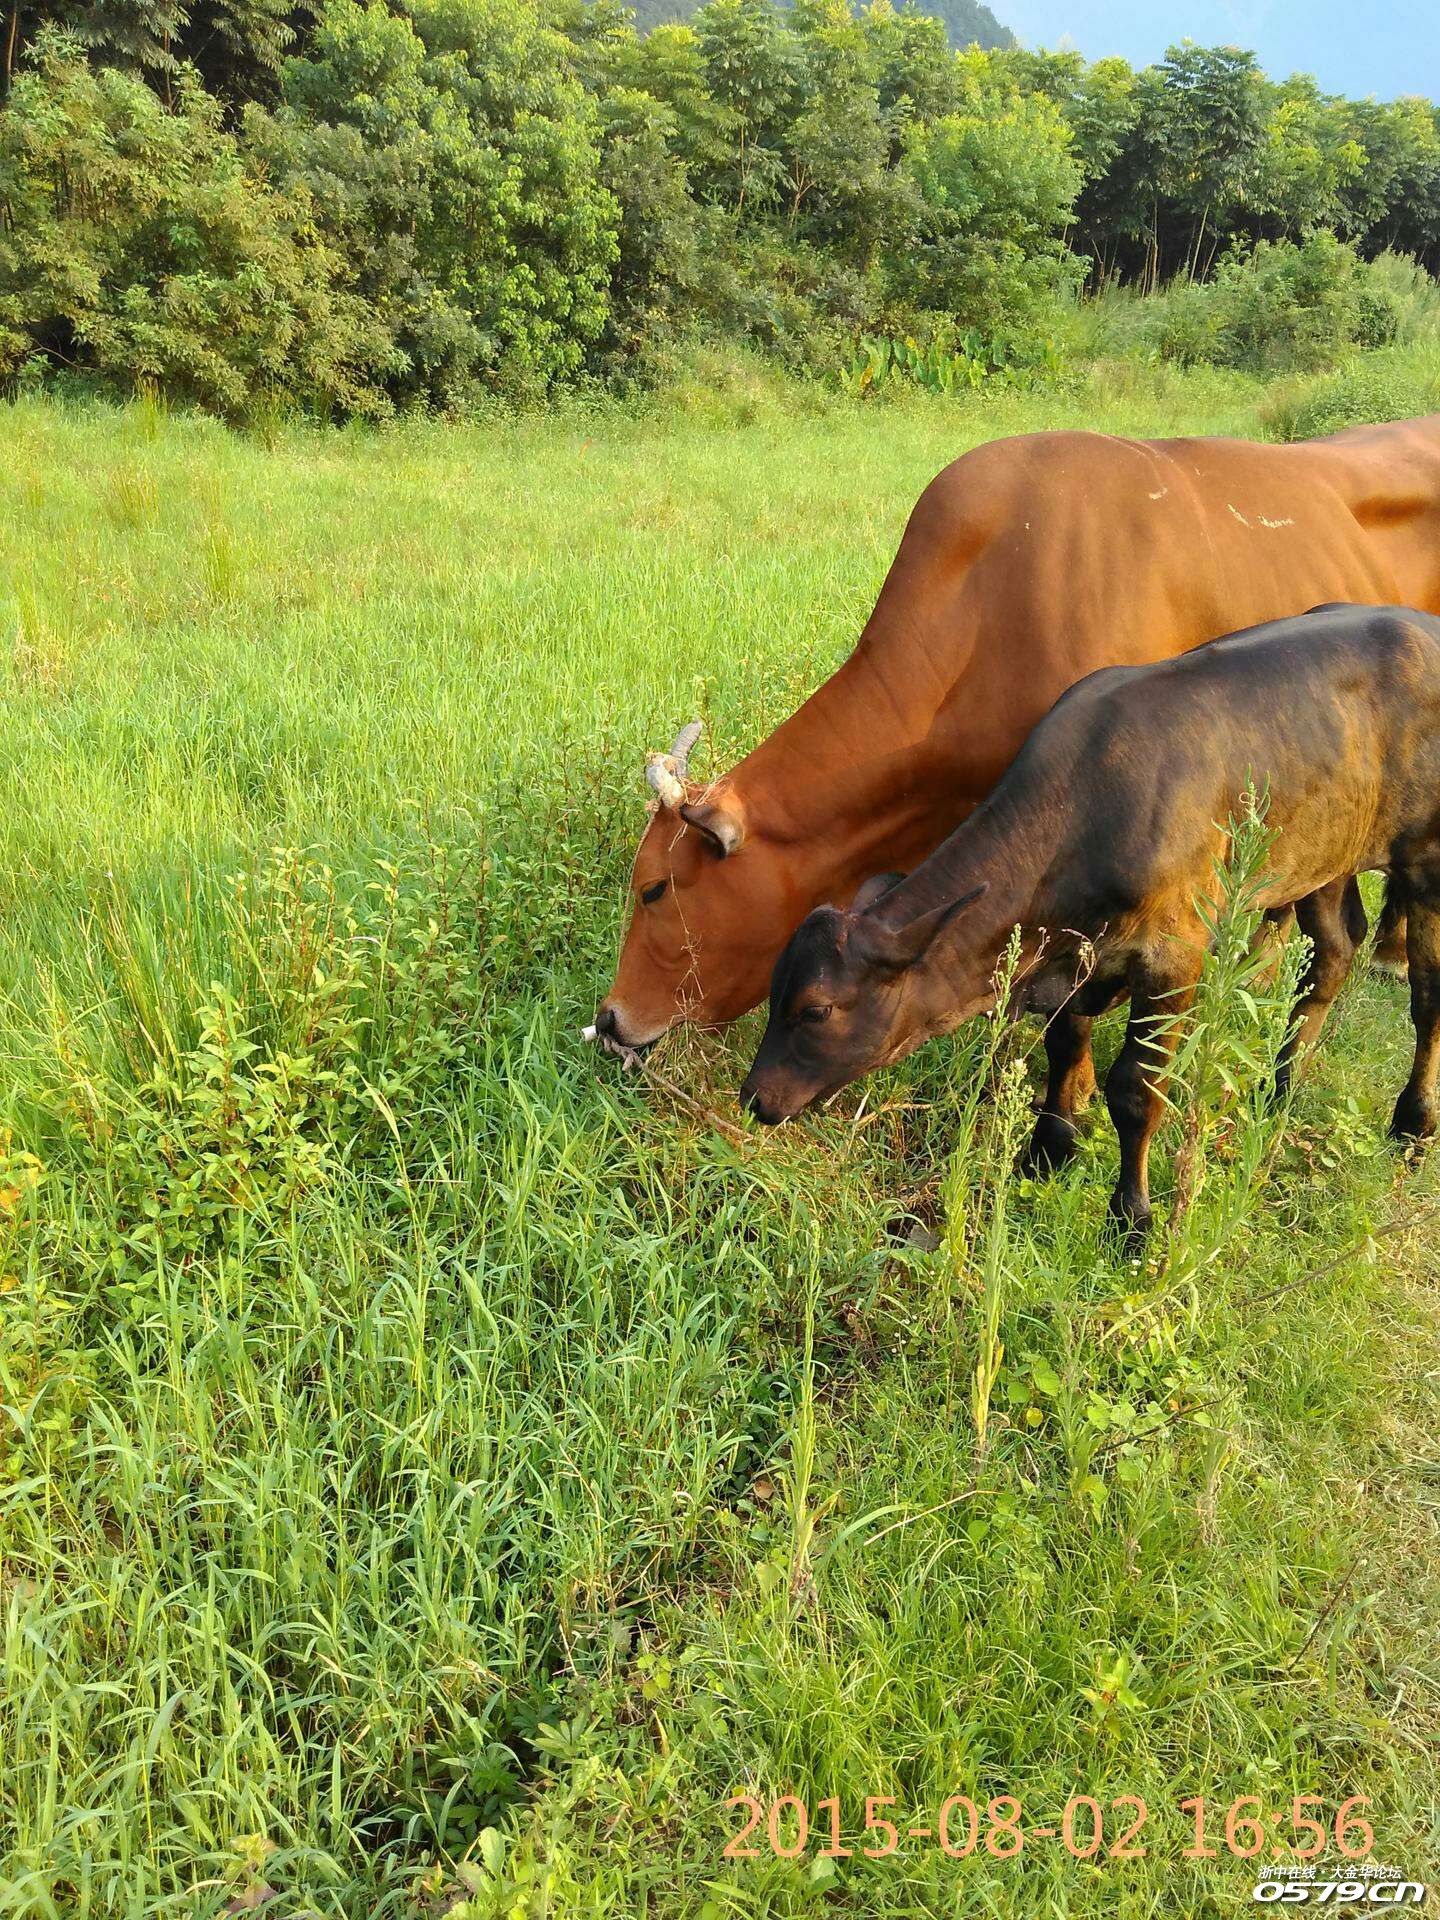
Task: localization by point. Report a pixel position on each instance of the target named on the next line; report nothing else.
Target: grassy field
(434, 1464)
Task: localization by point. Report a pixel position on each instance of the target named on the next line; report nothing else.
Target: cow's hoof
(1414, 1119)
(1054, 1141)
(1392, 951)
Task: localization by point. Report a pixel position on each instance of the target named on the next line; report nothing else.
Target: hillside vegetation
(434, 205)
(967, 23)
(437, 1469)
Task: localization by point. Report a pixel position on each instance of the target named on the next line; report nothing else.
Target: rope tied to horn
(668, 772)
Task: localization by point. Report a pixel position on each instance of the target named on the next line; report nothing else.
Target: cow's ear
(721, 822)
(895, 948)
(874, 890)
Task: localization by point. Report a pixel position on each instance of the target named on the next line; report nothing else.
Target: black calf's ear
(895, 948)
(873, 890)
(721, 822)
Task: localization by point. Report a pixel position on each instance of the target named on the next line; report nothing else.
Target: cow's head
(850, 993)
(712, 901)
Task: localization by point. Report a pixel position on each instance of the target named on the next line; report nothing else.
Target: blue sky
(1384, 47)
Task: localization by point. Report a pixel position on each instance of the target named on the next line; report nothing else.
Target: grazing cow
(1103, 832)
(1026, 564)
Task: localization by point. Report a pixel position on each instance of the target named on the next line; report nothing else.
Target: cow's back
(1335, 714)
(1033, 560)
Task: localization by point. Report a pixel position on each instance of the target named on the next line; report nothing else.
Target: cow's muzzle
(613, 1035)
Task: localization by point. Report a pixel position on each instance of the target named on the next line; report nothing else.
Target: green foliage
(1284, 305)
(997, 185)
(1386, 389)
(235, 45)
(139, 241)
(334, 1014)
(965, 23)
(1298, 306)
(1226, 1048)
(238, 46)
(139, 36)
(949, 365)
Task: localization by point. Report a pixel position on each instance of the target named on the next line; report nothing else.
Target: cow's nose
(608, 1027)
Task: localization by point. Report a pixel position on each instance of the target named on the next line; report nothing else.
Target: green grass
(429, 1459)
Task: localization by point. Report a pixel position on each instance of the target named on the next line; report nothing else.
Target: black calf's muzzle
(755, 1102)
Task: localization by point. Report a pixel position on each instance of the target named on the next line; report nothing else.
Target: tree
(138, 35)
(997, 185)
(1308, 162)
(236, 45)
(753, 69)
(838, 183)
(963, 23)
(915, 75)
(471, 192)
(138, 242)
(1211, 130)
(1396, 199)
(669, 65)
(1118, 212)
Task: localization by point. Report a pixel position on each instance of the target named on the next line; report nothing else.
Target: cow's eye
(812, 1016)
(652, 894)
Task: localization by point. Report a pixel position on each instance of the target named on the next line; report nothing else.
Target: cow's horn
(684, 744)
(659, 771)
(666, 771)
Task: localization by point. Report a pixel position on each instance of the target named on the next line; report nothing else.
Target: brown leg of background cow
(1082, 1081)
(1133, 1087)
(1415, 1109)
(1067, 1052)
(1390, 943)
(1329, 919)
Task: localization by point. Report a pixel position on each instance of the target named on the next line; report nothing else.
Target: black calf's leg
(1329, 919)
(1071, 1079)
(1415, 1109)
(1136, 1081)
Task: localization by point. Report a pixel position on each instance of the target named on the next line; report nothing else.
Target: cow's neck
(851, 783)
(1009, 846)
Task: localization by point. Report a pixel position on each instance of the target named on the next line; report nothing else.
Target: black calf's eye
(812, 1016)
(652, 894)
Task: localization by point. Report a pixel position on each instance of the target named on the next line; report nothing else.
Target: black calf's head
(847, 996)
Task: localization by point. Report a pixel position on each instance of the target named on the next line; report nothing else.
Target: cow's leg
(1415, 1111)
(1333, 920)
(1162, 987)
(1067, 1054)
(1390, 942)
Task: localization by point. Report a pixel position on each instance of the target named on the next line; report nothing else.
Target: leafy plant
(1228, 1044)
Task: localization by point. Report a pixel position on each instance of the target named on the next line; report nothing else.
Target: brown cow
(1102, 837)
(1026, 564)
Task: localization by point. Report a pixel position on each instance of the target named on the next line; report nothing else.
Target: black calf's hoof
(1054, 1141)
(1414, 1119)
(1129, 1225)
